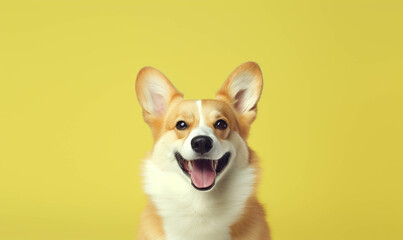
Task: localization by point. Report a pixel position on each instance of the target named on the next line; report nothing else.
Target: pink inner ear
(158, 103)
(239, 101)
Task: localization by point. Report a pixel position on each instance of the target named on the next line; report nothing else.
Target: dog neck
(187, 213)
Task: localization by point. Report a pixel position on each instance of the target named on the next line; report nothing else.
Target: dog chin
(203, 172)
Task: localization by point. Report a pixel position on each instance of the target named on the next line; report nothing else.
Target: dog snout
(202, 144)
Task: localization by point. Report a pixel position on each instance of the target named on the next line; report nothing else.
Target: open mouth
(203, 172)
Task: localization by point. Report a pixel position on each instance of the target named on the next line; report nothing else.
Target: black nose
(202, 144)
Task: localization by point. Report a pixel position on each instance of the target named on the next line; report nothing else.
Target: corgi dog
(201, 176)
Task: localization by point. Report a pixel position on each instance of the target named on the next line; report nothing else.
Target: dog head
(201, 140)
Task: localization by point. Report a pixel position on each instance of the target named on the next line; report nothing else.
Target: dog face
(200, 140)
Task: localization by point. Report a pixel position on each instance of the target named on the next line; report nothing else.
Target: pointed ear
(154, 92)
(242, 90)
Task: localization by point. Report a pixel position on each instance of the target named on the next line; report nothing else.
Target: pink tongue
(202, 174)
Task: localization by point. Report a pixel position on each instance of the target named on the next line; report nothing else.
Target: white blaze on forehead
(203, 128)
(199, 106)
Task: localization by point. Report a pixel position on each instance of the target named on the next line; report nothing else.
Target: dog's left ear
(242, 90)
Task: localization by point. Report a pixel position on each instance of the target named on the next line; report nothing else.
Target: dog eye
(221, 124)
(181, 125)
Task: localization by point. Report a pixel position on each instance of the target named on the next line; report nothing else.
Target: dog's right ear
(154, 92)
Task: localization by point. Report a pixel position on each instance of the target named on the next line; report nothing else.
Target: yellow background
(329, 130)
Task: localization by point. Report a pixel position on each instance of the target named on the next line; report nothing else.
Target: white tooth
(190, 166)
(215, 164)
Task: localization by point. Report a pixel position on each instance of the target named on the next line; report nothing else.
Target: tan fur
(252, 224)
(150, 225)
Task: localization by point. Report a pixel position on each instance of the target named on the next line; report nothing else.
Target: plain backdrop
(328, 132)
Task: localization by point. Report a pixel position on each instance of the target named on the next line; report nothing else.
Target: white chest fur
(190, 214)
